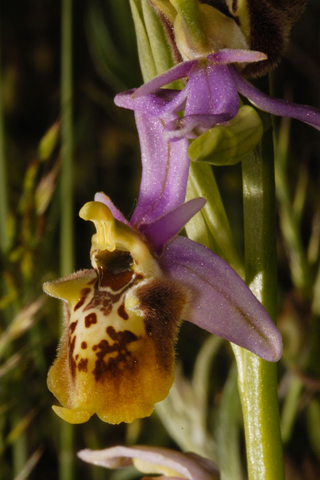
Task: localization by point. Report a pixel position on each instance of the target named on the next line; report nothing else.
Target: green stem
(66, 240)
(258, 378)
(19, 450)
(66, 460)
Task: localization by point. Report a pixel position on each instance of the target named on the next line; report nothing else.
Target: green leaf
(154, 52)
(49, 141)
(211, 225)
(313, 418)
(228, 430)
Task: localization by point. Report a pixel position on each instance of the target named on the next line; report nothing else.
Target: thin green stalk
(290, 220)
(67, 241)
(258, 378)
(66, 461)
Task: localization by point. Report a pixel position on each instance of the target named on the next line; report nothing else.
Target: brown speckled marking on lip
(72, 361)
(83, 365)
(72, 326)
(92, 282)
(84, 345)
(101, 300)
(90, 319)
(104, 300)
(122, 312)
(83, 295)
(124, 357)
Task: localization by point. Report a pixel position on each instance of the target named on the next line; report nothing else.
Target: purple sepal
(210, 98)
(157, 103)
(282, 108)
(165, 228)
(164, 171)
(211, 90)
(179, 71)
(221, 302)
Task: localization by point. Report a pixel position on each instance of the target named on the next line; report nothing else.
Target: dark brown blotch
(114, 269)
(124, 358)
(162, 303)
(72, 362)
(83, 365)
(84, 345)
(72, 326)
(90, 319)
(122, 312)
(83, 295)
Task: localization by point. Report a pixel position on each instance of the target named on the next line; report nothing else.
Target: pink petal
(165, 228)
(101, 197)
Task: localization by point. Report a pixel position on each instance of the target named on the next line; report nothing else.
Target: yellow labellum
(116, 355)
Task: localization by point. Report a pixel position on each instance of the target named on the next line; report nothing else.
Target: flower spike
(117, 352)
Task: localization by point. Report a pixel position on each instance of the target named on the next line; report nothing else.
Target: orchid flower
(210, 96)
(170, 464)
(117, 352)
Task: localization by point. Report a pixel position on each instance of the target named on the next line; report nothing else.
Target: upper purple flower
(210, 96)
(116, 356)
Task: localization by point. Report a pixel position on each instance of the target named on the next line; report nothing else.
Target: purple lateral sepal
(282, 108)
(165, 228)
(187, 465)
(159, 103)
(221, 302)
(164, 172)
(175, 73)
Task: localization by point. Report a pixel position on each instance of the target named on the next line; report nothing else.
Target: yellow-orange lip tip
(71, 416)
